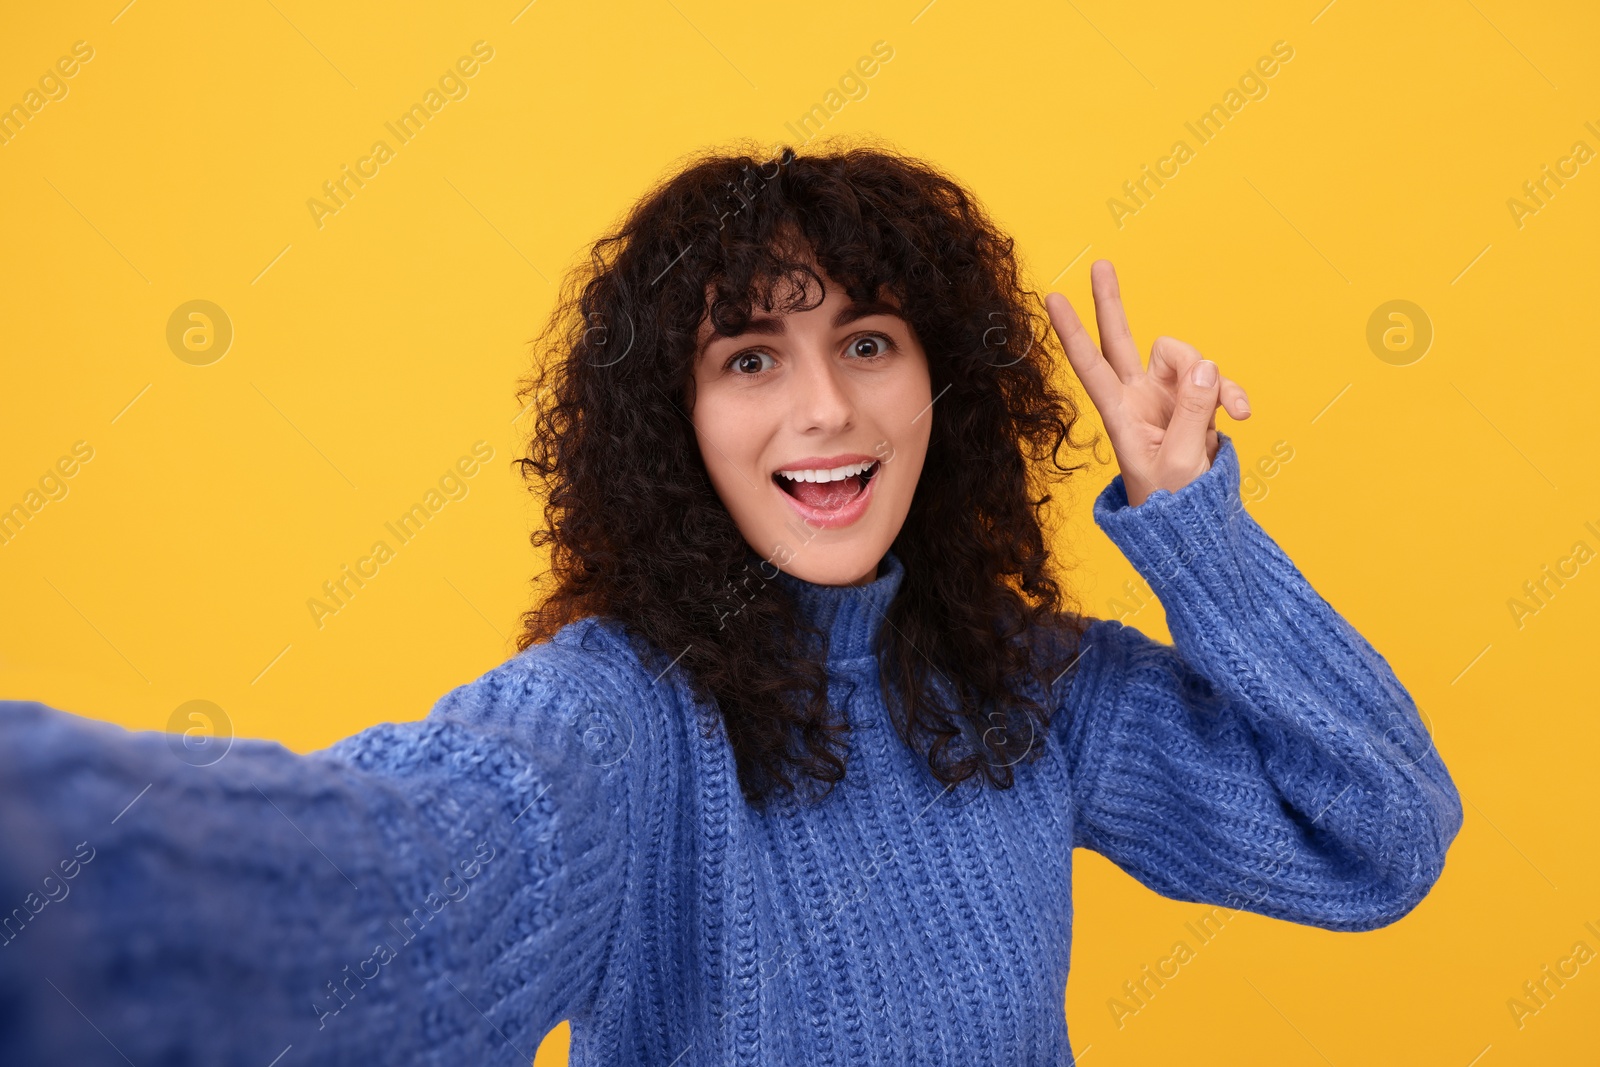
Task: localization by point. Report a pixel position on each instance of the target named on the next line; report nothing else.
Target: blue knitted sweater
(564, 838)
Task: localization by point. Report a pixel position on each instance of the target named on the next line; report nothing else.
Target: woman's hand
(1162, 422)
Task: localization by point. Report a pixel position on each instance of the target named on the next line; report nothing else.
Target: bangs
(786, 275)
(759, 239)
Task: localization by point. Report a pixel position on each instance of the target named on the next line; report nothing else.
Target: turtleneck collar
(850, 615)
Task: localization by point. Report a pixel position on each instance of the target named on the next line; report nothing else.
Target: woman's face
(826, 392)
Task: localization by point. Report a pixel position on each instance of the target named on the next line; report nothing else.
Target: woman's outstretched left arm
(436, 891)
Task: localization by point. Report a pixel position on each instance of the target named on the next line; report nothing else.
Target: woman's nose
(823, 399)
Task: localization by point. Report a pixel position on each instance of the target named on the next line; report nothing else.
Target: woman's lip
(833, 520)
(820, 463)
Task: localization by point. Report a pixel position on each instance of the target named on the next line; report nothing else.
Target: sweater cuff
(1190, 545)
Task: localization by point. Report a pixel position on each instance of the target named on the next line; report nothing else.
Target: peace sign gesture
(1162, 421)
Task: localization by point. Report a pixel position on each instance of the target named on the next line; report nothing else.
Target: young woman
(793, 759)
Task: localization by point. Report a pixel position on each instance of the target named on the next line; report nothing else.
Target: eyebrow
(851, 312)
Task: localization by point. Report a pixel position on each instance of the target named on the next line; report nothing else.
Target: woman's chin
(850, 559)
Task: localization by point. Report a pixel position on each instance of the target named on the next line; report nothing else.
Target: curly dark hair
(638, 534)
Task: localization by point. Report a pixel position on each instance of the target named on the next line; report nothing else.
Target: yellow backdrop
(239, 340)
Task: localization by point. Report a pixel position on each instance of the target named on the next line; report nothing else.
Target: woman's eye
(748, 362)
(871, 345)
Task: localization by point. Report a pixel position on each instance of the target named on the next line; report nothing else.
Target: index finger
(1115, 336)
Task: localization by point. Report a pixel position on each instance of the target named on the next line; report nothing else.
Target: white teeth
(834, 475)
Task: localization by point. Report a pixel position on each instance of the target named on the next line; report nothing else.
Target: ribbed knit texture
(603, 866)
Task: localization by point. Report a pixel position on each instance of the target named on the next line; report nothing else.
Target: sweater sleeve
(441, 891)
(1268, 759)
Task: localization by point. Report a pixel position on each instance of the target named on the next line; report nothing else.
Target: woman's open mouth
(830, 504)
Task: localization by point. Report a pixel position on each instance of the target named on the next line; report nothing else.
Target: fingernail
(1244, 405)
(1205, 373)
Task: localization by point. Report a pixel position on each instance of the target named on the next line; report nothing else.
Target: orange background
(1418, 487)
